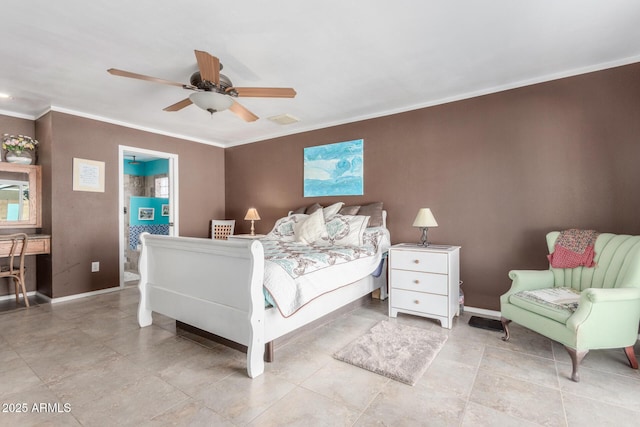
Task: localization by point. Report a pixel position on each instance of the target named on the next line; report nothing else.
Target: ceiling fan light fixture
(211, 101)
(133, 162)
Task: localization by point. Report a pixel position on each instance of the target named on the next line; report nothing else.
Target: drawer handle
(416, 301)
(416, 281)
(417, 261)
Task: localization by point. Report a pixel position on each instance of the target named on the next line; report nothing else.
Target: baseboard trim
(13, 296)
(482, 311)
(82, 295)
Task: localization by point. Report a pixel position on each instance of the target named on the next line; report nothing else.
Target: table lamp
(252, 214)
(424, 220)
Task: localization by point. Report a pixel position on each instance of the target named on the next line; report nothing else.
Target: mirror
(20, 194)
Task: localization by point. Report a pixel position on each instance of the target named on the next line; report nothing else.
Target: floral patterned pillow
(346, 230)
(284, 228)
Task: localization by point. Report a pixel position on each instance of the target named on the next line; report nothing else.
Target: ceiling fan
(134, 161)
(212, 91)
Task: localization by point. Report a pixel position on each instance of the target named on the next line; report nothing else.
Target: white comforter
(296, 273)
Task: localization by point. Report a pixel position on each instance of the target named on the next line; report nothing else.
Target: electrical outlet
(95, 266)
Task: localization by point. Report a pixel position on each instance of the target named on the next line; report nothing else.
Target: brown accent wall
(498, 171)
(16, 126)
(84, 225)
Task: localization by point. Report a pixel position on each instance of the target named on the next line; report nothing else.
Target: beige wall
(498, 171)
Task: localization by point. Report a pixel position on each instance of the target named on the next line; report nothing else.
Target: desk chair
(14, 269)
(221, 228)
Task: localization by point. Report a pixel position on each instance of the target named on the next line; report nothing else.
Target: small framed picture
(145, 214)
(88, 175)
(165, 210)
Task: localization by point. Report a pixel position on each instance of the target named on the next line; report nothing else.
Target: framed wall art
(334, 169)
(88, 175)
(146, 214)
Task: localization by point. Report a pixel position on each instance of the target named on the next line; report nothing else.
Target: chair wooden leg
(24, 290)
(505, 326)
(631, 357)
(20, 286)
(576, 358)
(24, 294)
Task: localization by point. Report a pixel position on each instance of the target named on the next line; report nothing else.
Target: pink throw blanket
(574, 248)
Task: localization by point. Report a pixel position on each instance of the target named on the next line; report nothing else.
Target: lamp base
(253, 229)
(423, 238)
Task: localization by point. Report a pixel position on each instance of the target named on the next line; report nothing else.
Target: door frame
(174, 229)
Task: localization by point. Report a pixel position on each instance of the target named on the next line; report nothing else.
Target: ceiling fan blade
(267, 92)
(242, 112)
(209, 67)
(123, 73)
(179, 105)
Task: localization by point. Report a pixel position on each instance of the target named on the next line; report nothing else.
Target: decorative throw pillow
(345, 230)
(349, 210)
(374, 210)
(307, 209)
(300, 210)
(330, 211)
(284, 227)
(311, 229)
(314, 207)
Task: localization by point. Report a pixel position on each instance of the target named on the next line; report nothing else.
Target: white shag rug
(400, 352)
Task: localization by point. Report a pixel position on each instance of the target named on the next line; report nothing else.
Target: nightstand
(425, 281)
(246, 236)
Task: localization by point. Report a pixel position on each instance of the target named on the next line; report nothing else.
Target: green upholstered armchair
(608, 308)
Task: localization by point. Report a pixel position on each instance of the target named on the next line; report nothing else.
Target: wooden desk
(37, 244)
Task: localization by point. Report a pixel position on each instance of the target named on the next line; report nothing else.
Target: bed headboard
(317, 206)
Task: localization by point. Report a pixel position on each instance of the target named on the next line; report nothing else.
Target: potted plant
(19, 148)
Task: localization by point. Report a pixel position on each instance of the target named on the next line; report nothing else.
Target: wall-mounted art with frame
(334, 169)
(146, 214)
(88, 175)
(165, 210)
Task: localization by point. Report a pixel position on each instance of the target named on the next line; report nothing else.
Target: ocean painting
(334, 169)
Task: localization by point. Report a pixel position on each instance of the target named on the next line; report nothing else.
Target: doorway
(148, 200)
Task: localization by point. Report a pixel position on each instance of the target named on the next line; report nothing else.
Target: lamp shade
(425, 219)
(211, 101)
(252, 214)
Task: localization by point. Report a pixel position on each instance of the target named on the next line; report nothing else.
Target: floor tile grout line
(473, 383)
(511, 350)
(626, 408)
(373, 399)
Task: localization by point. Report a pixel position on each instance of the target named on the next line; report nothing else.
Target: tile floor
(86, 362)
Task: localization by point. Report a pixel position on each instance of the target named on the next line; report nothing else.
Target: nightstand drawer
(418, 281)
(418, 301)
(420, 261)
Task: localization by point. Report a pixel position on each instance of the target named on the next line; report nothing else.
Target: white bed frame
(216, 286)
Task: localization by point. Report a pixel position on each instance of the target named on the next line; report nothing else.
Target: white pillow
(346, 230)
(284, 227)
(311, 229)
(330, 211)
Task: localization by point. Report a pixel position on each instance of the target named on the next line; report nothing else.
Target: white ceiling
(347, 60)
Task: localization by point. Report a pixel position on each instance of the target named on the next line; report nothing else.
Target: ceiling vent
(284, 119)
